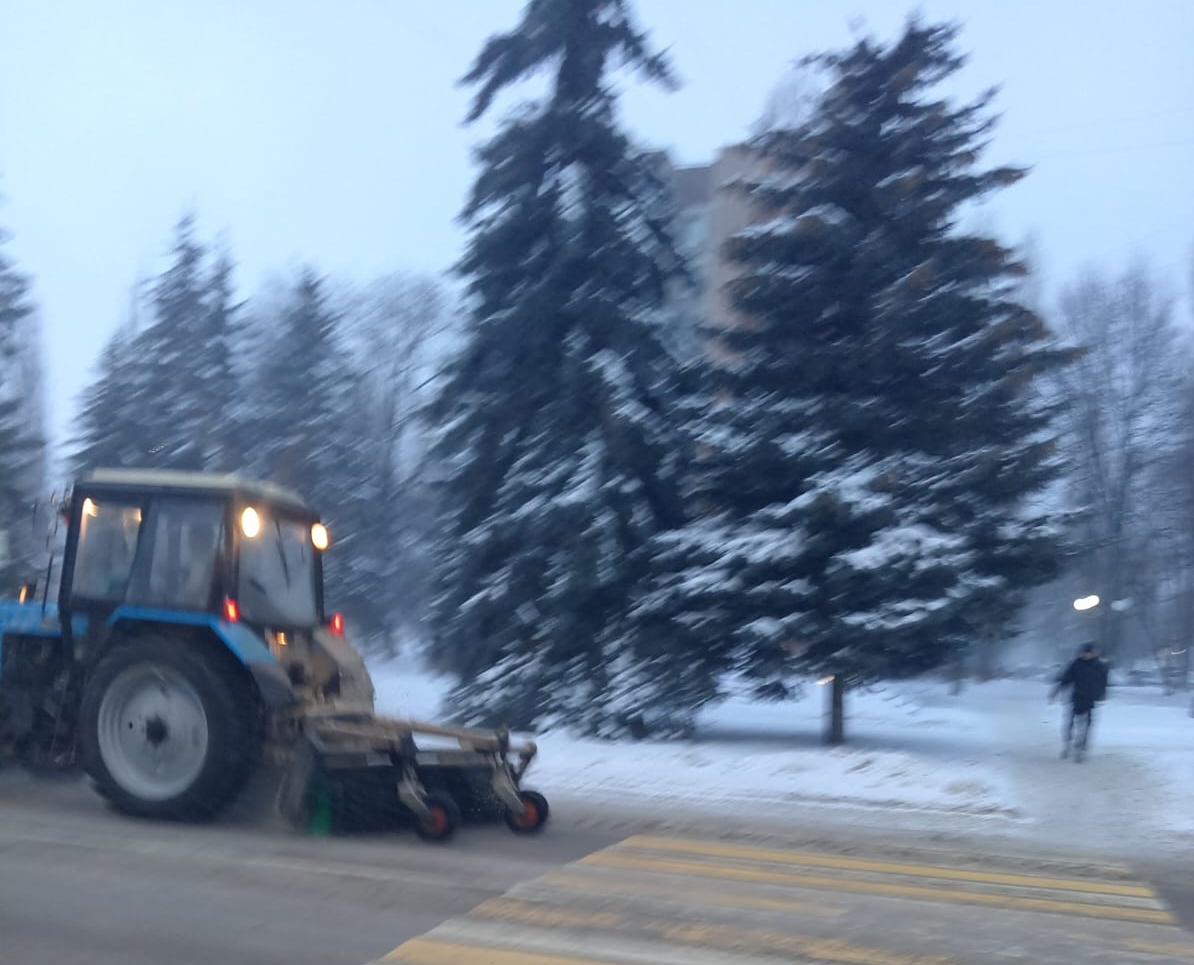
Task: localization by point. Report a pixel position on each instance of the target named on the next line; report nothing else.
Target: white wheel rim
(152, 732)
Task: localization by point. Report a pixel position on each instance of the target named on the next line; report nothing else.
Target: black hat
(1087, 648)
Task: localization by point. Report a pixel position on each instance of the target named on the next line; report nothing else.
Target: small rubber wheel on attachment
(534, 813)
(443, 820)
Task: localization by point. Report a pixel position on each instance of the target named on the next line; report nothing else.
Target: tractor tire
(534, 816)
(168, 729)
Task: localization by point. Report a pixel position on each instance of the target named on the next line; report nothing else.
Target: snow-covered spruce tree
(22, 445)
(869, 449)
(220, 406)
(162, 396)
(299, 380)
(173, 408)
(31, 483)
(107, 430)
(303, 426)
(553, 422)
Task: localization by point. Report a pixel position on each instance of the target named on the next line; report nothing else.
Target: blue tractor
(188, 647)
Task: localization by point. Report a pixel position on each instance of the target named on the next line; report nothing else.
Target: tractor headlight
(250, 522)
(319, 536)
(278, 642)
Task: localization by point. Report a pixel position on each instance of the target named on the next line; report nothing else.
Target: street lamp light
(1086, 602)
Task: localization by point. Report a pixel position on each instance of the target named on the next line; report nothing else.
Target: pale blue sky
(330, 130)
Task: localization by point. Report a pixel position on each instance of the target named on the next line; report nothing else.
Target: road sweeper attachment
(188, 647)
(353, 768)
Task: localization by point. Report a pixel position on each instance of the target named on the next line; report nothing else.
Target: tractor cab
(157, 544)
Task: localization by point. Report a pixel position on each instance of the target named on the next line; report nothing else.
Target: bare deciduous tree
(1121, 420)
(1172, 546)
(399, 327)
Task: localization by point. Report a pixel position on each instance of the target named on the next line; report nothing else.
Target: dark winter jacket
(1087, 679)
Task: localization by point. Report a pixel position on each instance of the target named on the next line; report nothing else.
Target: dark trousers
(1083, 715)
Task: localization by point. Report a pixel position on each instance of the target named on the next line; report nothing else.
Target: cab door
(102, 548)
(180, 565)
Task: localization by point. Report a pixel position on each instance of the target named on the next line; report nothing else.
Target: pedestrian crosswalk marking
(674, 901)
(1169, 950)
(633, 862)
(498, 943)
(430, 951)
(771, 856)
(511, 909)
(702, 934)
(623, 886)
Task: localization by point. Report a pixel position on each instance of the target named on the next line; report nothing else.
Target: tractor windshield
(277, 571)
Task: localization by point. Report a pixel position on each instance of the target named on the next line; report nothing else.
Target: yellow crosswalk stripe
(588, 884)
(532, 913)
(1173, 951)
(748, 940)
(771, 856)
(430, 951)
(651, 900)
(614, 859)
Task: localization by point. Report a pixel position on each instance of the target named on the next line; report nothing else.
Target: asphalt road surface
(82, 886)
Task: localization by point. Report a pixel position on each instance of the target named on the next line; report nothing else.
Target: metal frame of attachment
(342, 738)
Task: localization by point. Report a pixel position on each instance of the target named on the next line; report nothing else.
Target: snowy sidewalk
(901, 756)
(985, 761)
(1135, 790)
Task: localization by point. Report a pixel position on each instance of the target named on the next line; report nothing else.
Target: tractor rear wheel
(168, 729)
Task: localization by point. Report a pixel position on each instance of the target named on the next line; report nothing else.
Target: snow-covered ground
(987, 758)
(1144, 728)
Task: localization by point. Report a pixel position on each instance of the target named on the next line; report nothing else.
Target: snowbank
(770, 781)
(404, 690)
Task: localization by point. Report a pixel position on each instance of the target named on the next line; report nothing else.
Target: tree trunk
(985, 664)
(1110, 627)
(835, 733)
(957, 670)
(1186, 631)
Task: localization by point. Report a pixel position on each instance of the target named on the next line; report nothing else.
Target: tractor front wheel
(168, 729)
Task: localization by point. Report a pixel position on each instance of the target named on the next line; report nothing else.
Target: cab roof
(176, 480)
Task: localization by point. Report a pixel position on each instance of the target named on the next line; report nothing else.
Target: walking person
(1086, 677)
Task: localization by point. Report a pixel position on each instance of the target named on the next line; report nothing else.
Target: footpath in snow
(986, 760)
